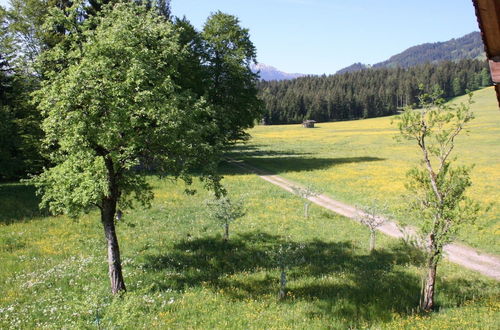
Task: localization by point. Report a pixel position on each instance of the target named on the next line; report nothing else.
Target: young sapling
(306, 193)
(225, 211)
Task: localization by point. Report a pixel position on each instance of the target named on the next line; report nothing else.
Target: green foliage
(192, 73)
(231, 85)
(287, 255)
(470, 46)
(438, 188)
(455, 208)
(19, 120)
(114, 107)
(45, 38)
(26, 20)
(225, 211)
(485, 77)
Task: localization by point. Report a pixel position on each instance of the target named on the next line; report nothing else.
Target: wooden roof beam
(488, 18)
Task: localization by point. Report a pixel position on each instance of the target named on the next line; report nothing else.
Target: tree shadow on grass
(278, 165)
(206, 260)
(249, 150)
(461, 291)
(368, 287)
(19, 202)
(335, 277)
(282, 161)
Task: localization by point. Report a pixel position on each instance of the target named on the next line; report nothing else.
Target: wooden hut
(308, 123)
(488, 18)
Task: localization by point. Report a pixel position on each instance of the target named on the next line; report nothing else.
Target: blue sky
(323, 36)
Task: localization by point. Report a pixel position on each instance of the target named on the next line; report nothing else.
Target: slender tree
(286, 255)
(306, 193)
(369, 216)
(225, 211)
(438, 187)
(114, 106)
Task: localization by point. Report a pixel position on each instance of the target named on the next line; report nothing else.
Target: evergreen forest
(367, 93)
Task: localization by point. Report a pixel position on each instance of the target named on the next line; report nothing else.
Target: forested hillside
(470, 46)
(366, 93)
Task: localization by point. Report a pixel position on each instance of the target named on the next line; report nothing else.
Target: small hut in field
(308, 123)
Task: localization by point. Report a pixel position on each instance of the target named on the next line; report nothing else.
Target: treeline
(20, 131)
(367, 93)
(32, 31)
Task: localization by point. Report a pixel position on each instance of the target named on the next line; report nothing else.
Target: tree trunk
(114, 262)
(282, 292)
(372, 241)
(306, 210)
(428, 287)
(226, 231)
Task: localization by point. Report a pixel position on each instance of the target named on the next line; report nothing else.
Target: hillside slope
(469, 46)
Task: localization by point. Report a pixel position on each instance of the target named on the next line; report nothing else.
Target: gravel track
(486, 264)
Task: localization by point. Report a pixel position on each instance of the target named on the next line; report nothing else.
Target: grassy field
(180, 274)
(360, 162)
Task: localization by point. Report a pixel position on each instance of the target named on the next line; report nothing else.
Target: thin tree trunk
(372, 240)
(226, 231)
(306, 210)
(114, 262)
(428, 288)
(282, 292)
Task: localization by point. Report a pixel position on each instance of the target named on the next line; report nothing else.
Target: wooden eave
(488, 18)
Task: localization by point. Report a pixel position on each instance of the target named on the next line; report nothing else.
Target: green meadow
(181, 274)
(361, 163)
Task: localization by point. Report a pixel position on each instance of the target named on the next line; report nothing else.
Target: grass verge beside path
(360, 163)
(180, 274)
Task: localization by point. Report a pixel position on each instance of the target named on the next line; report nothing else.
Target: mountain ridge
(269, 73)
(469, 46)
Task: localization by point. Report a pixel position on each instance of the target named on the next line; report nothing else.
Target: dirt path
(465, 256)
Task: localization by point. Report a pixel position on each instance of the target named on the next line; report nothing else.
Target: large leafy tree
(231, 84)
(113, 107)
(192, 73)
(28, 18)
(438, 186)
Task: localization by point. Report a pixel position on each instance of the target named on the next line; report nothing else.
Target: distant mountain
(269, 73)
(353, 67)
(469, 46)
